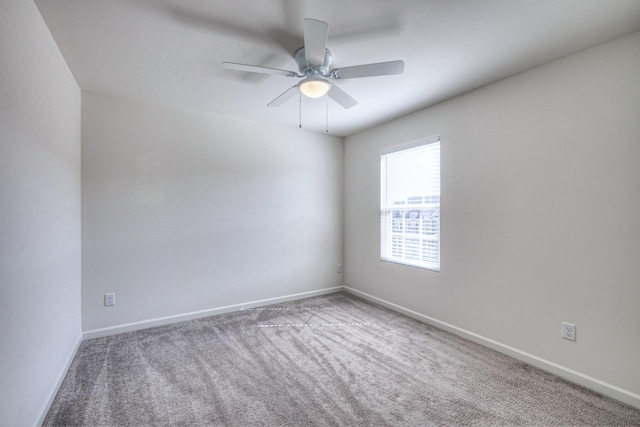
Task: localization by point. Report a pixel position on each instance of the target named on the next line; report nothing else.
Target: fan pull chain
(300, 110)
(327, 117)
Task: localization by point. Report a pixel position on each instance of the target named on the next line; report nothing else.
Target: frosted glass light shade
(314, 87)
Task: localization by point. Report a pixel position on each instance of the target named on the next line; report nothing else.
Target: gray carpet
(333, 360)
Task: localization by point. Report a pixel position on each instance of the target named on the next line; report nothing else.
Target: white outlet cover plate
(568, 331)
(109, 299)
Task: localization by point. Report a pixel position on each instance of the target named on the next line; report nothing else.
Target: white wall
(540, 212)
(39, 215)
(185, 211)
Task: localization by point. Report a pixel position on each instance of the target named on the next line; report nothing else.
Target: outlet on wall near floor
(568, 331)
(109, 299)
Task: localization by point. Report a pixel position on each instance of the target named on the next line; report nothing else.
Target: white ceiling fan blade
(257, 69)
(341, 97)
(284, 97)
(315, 40)
(369, 70)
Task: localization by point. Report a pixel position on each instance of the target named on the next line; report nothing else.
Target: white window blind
(410, 204)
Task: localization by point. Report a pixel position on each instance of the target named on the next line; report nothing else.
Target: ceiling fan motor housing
(308, 69)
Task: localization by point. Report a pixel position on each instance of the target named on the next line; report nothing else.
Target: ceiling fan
(314, 61)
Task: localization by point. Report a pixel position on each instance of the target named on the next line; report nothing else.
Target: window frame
(425, 230)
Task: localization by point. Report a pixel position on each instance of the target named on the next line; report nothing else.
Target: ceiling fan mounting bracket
(307, 69)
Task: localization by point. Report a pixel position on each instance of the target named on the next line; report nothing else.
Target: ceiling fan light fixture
(314, 87)
(314, 67)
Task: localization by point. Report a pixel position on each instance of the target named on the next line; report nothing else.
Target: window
(410, 204)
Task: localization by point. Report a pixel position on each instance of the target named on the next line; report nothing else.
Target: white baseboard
(61, 376)
(576, 377)
(129, 327)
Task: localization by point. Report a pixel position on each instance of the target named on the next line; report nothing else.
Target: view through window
(410, 204)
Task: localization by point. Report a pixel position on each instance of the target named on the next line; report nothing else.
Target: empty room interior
(176, 202)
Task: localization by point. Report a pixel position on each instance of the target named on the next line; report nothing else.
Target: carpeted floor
(333, 360)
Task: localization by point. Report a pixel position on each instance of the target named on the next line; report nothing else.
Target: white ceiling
(170, 51)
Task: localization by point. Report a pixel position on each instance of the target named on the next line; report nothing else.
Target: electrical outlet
(339, 268)
(568, 331)
(109, 299)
